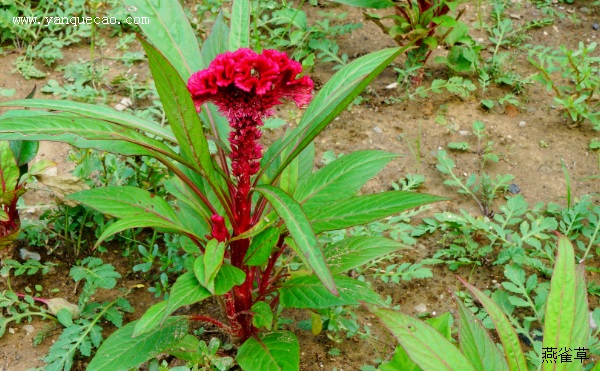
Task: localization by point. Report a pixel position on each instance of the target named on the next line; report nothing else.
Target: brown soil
(532, 152)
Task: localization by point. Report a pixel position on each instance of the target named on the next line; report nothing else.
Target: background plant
(426, 22)
(566, 327)
(574, 91)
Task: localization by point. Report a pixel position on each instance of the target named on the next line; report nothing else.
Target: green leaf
(353, 252)
(476, 343)
(442, 324)
(342, 178)
(176, 40)
(152, 318)
(262, 315)
(375, 4)
(180, 111)
(276, 351)
(566, 323)
(510, 341)
(97, 112)
(364, 209)
(83, 132)
(261, 246)
(400, 361)
(121, 351)
(24, 151)
(65, 317)
(309, 292)
(9, 173)
(188, 199)
(142, 221)
(239, 35)
(425, 346)
(228, 277)
(126, 202)
(332, 99)
(96, 274)
(300, 230)
(212, 261)
(185, 291)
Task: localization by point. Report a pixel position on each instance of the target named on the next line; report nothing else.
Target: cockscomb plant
(244, 212)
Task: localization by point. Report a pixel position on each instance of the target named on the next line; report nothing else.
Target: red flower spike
(245, 86)
(219, 230)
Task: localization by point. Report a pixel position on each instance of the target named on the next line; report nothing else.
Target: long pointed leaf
(77, 131)
(122, 352)
(510, 341)
(9, 172)
(309, 292)
(301, 231)
(335, 95)
(342, 178)
(97, 112)
(476, 343)
(170, 32)
(180, 111)
(364, 209)
(424, 345)
(353, 252)
(276, 351)
(566, 324)
(239, 36)
(126, 202)
(143, 222)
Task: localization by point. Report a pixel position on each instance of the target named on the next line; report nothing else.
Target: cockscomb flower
(245, 86)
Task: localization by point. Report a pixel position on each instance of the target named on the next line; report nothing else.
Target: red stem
(41, 300)
(201, 318)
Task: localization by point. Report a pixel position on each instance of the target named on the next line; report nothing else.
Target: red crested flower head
(244, 84)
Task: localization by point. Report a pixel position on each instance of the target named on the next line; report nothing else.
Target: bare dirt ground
(531, 139)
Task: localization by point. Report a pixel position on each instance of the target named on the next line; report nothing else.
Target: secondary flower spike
(245, 86)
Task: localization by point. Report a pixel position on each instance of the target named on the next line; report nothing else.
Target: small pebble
(392, 85)
(514, 189)
(377, 129)
(119, 107)
(522, 124)
(464, 133)
(51, 171)
(127, 102)
(515, 16)
(27, 255)
(595, 26)
(11, 330)
(421, 308)
(480, 40)
(28, 329)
